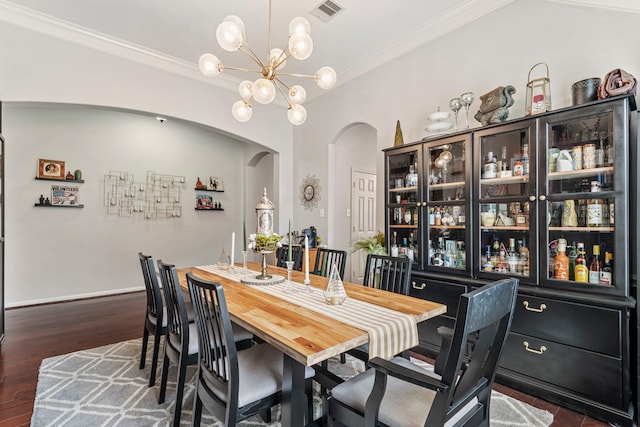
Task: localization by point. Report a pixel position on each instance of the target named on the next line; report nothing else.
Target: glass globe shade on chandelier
(231, 37)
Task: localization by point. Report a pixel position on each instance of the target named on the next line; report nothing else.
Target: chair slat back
(154, 296)
(218, 355)
(282, 255)
(325, 258)
(485, 315)
(177, 319)
(388, 273)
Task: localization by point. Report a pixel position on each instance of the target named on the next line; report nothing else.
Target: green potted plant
(371, 245)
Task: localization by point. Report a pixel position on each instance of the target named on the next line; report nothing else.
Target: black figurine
(47, 201)
(41, 199)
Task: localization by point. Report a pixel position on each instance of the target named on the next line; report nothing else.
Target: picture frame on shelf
(215, 183)
(204, 201)
(66, 195)
(51, 169)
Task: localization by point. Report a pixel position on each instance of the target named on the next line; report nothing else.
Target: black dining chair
(232, 384)
(282, 256)
(155, 319)
(399, 392)
(325, 258)
(392, 274)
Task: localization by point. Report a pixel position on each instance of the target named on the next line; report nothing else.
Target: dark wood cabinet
(571, 342)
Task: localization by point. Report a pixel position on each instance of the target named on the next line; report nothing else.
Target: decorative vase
(199, 184)
(224, 261)
(78, 175)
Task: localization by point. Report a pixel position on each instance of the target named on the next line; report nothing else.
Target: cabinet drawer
(428, 330)
(592, 375)
(442, 292)
(578, 325)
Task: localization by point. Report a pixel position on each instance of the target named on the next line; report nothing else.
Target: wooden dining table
(306, 337)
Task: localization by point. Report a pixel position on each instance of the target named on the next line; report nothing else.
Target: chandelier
(231, 37)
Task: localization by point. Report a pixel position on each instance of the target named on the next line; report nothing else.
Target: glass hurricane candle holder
(467, 99)
(244, 261)
(290, 289)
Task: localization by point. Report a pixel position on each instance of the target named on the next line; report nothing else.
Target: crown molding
(632, 6)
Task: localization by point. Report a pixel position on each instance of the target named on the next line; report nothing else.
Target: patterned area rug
(104, 387)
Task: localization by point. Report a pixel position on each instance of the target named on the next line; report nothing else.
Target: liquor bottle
(573, 254)
(595, 207)
(432, 217)
(512, 256)
(596, 266)
(438, 257)
(525, 159)
(431, 253)
(394, 245)
(438, 218)
(581, 269)
(561, 270)
(487, 265)
(606, 274)
(449, 255)
(461, 256)
(402, 251)
(524, 258)
(411, 248)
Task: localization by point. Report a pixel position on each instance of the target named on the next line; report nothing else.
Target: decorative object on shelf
(438, 125)
(158, 197)
(216, 183)
(64, 195)
(70, 176)
(495, 105)
(569, 215)
(467, 99)
(538, 97)
(617, 82)
(585, 91)
(204, 202)
(77, 175)
(334, 293)
(224, 261)
(310, 190)
(455, 105)
(442, 162)
(231, 37)
(41, 199)
(51, 169)
(199, 184)
(398, 138)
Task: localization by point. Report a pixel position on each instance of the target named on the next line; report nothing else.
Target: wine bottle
(606, 275)
(596, 266)
(581, 269)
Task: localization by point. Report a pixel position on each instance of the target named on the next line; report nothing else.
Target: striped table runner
(390, 332)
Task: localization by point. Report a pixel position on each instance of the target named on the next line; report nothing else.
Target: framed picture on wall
(215, 183)
(204, 201)
(64, 195)
(51, 169)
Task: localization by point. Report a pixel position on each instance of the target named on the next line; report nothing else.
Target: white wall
(498, 49)
(65, 253)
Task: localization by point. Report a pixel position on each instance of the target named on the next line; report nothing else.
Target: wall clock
(310, 192)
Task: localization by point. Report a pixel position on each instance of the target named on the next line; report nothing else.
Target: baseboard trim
(76, 297)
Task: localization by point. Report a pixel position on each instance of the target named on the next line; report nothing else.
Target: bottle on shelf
(432, 216)
(596, 266)
(573, 254)
(606, 274)
(438, 217)
(581, 271)
(561, 270)
(402, 250)
(525, 159)
(524, 258)
(410, 248)
(595, 207)
(449, 255)
(438, 256)
(394, 245)
(461, 257)
(431, 253)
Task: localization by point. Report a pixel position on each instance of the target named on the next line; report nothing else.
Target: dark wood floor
(35, 333)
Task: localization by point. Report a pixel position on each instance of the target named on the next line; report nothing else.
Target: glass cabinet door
(447, 208)
(585, 187)
(403, 203)
(506, 193)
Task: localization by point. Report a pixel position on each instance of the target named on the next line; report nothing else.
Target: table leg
(294, 401)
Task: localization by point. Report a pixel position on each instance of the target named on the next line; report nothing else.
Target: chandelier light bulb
(297, 114)
(241, 111)
(300, 46)
(230, 36)
(299, 25)
(276, 57)
(246, 89)
(297, 94)
(209, 65)
(264, 91)
(326, 78)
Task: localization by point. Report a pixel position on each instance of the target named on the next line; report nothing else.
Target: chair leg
(143, 352)
(154, 360)
(308, 389)
(197, 407)
(343, 358)
(182, 373)
(163, 378)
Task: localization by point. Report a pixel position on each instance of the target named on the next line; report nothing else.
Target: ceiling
(172, 34)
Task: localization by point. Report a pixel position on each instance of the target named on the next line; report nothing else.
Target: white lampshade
(300, 46)
(263, 91)
(276, 56)
(209, 65)
(297, 114)
(326, 77)
(230, 36)
(297, 94)
(236, 20)
(246, 89)
(299, 25)
(241, 111)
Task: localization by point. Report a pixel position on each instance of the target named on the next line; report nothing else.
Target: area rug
(104, 387)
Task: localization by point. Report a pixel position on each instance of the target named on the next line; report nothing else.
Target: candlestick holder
(244, 261)
(291, 288)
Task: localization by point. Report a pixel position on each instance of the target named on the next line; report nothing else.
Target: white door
(363, 219)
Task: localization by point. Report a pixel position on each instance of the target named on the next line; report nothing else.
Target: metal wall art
(310, 192)
(158, 197)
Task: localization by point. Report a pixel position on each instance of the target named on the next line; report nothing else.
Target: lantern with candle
(538, 97)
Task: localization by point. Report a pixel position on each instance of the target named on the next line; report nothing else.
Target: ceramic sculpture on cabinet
(495, 105)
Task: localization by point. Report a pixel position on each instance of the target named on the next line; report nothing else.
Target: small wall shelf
(214, 209)
(79, 181)
(44, 205)
(209, 190)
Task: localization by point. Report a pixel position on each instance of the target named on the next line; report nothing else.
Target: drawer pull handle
(530, 350)
(537, 310)
(422, 285)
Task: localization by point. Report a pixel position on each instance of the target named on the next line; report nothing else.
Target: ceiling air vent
(326, 10)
